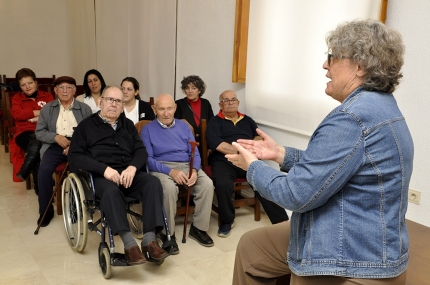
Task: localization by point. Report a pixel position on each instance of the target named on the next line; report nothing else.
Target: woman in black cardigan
(193, 108)
(134, 108)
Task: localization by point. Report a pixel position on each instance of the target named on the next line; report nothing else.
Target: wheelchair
(79, 206)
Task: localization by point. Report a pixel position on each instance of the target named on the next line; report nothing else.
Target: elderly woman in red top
(25, 110)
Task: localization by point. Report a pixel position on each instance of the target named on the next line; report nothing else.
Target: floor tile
(47, 258)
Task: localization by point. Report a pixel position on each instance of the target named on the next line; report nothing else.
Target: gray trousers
(202, 191)
(261, 258)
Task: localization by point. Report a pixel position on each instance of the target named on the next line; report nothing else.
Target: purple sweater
(171, 145)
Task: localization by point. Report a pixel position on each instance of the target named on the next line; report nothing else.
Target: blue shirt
(170, 145)
(348, 191)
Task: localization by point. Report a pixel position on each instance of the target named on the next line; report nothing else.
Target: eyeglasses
(228, 101)
(329, 56)
(67, 88)
(111, 100)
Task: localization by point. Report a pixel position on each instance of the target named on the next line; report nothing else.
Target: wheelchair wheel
(74, 212)
(104, 261)
(136, 226)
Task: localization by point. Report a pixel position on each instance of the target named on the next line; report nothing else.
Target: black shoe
(47, 219)
(200, 236)
(167, 243)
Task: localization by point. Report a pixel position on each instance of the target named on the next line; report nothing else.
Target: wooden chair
(79, 90)
(40, 80)
(239, 184)
(8, 123)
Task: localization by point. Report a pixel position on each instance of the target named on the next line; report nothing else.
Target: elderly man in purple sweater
(167, 143)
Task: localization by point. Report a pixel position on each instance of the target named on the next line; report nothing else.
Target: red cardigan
(22, 110)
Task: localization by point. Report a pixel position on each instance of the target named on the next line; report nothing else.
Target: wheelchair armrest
(88, 184)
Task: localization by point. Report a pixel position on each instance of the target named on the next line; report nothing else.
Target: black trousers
(145, 187)
(224, 173)
(52, 157)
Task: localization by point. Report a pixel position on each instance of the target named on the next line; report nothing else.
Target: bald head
(228, 103)
(227, 92)
(164, 98)
(164, 108)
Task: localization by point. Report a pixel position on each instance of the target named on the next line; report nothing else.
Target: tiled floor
(47, 258)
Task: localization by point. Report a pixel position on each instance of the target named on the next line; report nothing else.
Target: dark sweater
(221, 130)
(96, 145)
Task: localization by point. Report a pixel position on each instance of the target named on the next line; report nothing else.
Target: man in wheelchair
(107, 144)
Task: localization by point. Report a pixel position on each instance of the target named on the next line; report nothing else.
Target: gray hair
(377, 49)
(111, 87)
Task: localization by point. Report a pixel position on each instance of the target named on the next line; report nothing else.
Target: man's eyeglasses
(227, 101)
(67, 88)
(111, 100)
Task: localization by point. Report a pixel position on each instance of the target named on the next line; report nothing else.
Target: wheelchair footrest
(118, 259)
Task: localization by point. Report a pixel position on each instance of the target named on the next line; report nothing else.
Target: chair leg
(59, 179)
(2, 133)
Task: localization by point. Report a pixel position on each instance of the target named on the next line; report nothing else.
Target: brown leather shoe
(134, 255)
(154, 251)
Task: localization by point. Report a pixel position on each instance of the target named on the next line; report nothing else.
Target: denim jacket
(347, 190)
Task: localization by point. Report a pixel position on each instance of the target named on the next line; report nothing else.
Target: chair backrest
(6, 107)
(40, 80)
(139, 125)
(7, 79)
(47, 88)
(79, 90)
(46, 80)
(151, 101)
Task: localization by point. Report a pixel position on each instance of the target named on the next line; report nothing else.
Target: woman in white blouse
(134, 108)
(93, 87)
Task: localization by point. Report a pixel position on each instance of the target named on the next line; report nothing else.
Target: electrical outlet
(414, 196)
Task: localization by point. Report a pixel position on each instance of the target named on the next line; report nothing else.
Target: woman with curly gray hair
(192, 107)
(348, 189)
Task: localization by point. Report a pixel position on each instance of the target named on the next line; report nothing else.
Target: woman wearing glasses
(25, 109)
(94, 84)
(134, 108)
(193, 108)
(348, 190)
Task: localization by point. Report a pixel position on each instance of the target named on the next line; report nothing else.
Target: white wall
(411, 19)
(35, 37)
(205, 47)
